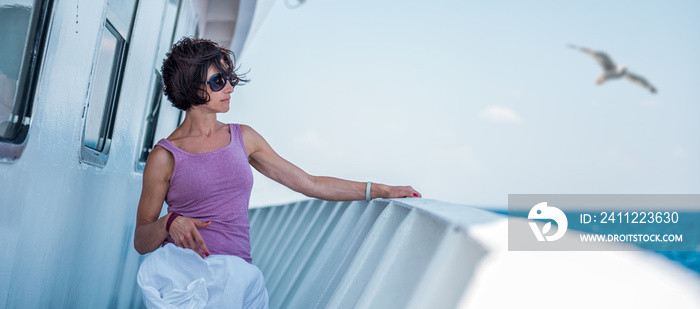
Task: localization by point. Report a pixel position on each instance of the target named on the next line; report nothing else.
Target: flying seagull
(612, 71)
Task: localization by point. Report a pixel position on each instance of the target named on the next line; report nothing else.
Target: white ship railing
(419, 253)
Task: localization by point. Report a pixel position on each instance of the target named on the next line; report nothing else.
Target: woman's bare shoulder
(160, 162)
(252, 139)
(245, 128)
(160, 154)
(250, 134)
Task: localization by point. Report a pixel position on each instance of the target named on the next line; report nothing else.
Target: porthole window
(23, 30)
(101, 108)
(151, 120)
(158, 121)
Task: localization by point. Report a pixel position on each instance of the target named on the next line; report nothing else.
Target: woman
(202, 170)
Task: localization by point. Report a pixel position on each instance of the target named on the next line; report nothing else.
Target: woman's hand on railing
(400, 191)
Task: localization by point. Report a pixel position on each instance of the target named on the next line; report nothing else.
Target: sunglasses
(218, 81)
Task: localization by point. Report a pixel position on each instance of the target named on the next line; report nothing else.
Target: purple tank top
(214, 186)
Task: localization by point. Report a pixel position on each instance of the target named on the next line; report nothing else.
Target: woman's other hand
(401, 191)
(184, 232)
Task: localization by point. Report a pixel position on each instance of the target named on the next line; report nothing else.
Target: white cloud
(681, 153)
(500, 114)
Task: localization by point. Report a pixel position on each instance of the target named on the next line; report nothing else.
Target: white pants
(174, 277)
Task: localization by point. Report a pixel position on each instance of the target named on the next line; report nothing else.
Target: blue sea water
(690, 227)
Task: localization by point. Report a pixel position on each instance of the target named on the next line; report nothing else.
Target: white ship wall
(67, 227)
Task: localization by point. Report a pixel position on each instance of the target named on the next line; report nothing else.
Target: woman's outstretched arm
(264, 159)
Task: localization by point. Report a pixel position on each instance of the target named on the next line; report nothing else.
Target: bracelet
(368, 192)
(170, 221)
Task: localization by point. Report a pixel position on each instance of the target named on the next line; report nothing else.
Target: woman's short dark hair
(185, 69)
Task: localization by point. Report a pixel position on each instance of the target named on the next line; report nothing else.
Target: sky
(469, 101)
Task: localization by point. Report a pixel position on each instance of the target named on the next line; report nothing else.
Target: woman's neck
(198, 123)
